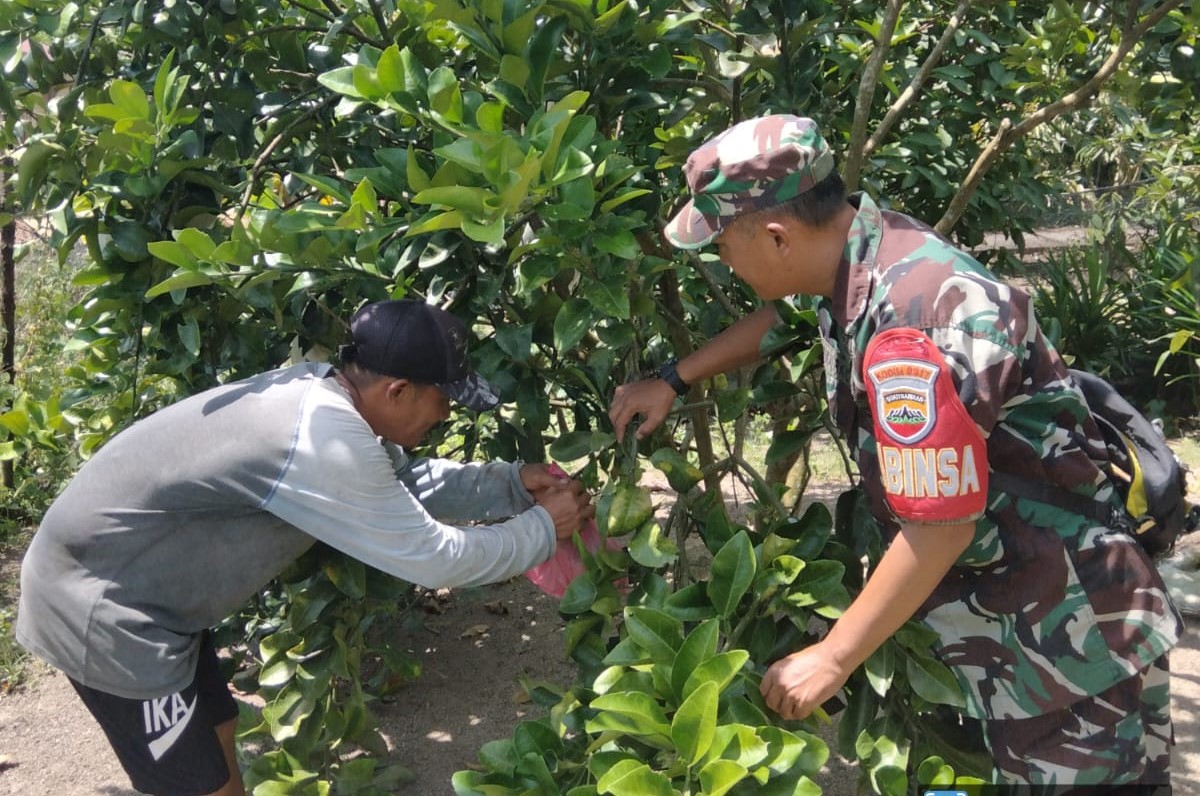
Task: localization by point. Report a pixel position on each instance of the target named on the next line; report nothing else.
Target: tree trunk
(8, 305)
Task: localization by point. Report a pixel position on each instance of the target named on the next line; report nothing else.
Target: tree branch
(910, 92)
(1008, 132)
(866, 91)
(276, 141)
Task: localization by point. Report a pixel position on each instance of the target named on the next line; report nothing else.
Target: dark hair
(817, 206)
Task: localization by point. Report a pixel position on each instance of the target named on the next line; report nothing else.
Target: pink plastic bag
(556, 573)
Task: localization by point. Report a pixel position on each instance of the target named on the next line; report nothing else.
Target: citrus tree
(243, 175)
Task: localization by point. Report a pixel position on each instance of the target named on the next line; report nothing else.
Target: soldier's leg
(1121, 736)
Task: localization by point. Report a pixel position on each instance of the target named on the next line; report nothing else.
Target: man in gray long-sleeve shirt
(186, 514)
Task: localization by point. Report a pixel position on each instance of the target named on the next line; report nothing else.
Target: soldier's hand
(650, 398)
(569, 505)
(802, 681)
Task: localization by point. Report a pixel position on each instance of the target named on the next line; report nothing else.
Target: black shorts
(167, 745)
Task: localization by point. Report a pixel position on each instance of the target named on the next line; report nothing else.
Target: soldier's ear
(780, 236)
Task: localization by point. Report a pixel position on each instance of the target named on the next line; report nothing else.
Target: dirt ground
(470, 692)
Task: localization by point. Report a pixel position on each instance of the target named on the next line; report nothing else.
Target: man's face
(410, 411)
(750, 252)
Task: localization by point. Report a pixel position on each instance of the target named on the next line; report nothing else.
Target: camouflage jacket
(1043, 608)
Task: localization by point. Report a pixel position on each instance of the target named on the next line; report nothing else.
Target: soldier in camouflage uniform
(1056, 628)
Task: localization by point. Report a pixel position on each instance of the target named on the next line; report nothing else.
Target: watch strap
(670, 375)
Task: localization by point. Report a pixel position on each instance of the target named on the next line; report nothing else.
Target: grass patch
(15, 661)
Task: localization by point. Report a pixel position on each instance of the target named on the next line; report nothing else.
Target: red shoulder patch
(932, 456)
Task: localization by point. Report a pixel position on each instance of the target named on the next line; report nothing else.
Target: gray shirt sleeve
(341, 486)
(458, 492)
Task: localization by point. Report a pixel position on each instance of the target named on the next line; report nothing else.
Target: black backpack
(1146, 474)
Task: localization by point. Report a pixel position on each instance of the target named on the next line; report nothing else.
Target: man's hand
(569, 505)
(650, 398)
(536, 477)
(794, 685)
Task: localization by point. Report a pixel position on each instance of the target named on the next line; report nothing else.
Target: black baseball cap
(410, 339)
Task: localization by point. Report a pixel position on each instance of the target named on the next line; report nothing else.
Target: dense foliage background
(238, 177)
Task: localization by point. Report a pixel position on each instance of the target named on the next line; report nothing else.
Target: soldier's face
(751, 249)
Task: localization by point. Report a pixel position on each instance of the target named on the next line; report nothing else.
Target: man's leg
(178, 745)
(225, 734)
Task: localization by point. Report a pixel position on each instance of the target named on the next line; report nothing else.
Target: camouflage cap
(756, 164)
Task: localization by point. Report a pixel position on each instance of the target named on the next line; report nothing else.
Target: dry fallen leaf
(474, 631)
(496, 607)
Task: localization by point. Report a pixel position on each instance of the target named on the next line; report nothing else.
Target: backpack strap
(1101, 511)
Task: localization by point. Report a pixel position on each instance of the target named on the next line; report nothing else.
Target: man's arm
(652, 398)
(462, 491)
(914, 564)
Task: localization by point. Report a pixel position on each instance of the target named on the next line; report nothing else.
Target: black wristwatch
(671, 376)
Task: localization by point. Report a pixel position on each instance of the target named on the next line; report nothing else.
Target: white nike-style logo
(159, 746)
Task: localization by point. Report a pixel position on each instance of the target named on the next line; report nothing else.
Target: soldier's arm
(914, 564)
(652, 398)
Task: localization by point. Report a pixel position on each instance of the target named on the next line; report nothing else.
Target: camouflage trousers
(1120, 736)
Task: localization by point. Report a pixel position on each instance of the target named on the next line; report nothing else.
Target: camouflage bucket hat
(753, 165)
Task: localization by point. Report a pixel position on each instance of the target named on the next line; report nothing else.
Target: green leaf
(580, 595)
(16, 421)
(681, 474)
(445, 96)
(348, 574)
(179, 281)
(695, 722)
(654, 631)
(934, 771)
(341, 81)
(452, 220)
(514, 70)
(820, 583)
(326, 185)
(786, 444)
(457, 197)
(719, 776)
(579, 443)
(623, 509)
(189, 336)
(174, 253)
(130, 240)
(612, 299)
(542, 49)
(733, 569)
(812, 531)
(651, 549)
(691, 603)
(390, 70)
(416, 77)
(196, 242)
(634, 778)
(629, 712)
(622, 198)
(881, 666)
(572, 323)
(516, 340)
(719, 670)
(130, 99)
(932, 681)
(619, 244)
(699, 646)
(418, 180)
